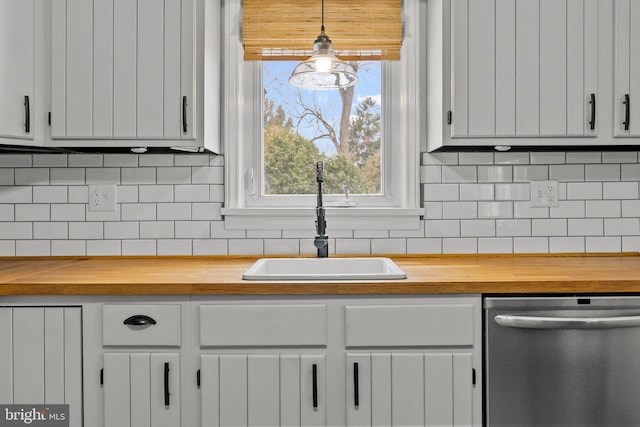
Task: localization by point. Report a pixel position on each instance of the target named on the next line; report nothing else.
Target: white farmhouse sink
(324, 269)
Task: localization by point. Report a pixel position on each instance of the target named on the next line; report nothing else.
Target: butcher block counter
(442, 274)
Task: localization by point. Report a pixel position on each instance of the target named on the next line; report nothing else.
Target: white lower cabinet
(262, 390)
(41, 357)
(409, 389)
(141, 389)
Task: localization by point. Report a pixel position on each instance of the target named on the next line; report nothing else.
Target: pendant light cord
(322, 26)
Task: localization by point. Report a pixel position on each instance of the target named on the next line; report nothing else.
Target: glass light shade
(323, 70)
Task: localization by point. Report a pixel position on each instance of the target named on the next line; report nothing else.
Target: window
(379, 165)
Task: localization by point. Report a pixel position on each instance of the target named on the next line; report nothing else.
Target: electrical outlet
(102, 198)
(544, 193)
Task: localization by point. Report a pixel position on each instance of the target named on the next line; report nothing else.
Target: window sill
(338, 218)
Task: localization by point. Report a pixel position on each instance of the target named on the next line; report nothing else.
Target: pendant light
(323, 70)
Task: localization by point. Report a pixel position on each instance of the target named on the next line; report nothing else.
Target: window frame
(242, 121)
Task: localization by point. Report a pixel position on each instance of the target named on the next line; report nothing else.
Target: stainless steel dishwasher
(562, 361)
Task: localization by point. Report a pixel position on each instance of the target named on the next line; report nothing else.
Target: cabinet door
(523, 69)
(627, 68)
(141, 389)
(41, 357)
(417, 389)
(17, 56)
(262, 389)
(123, 69)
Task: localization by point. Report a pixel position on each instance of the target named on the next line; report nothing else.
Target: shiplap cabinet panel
(40, 357)
(134, 389)
(410, 389)
(627, 68)
(262, 389)
(19, 22)
(121, 68)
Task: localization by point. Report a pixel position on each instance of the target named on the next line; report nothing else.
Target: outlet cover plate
(544, 194)
(102, 198)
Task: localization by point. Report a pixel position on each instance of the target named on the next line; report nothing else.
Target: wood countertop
(444, 274)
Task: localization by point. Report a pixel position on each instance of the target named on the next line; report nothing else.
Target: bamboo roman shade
(286, 29)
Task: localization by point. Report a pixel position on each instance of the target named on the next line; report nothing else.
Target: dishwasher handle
(544, 322)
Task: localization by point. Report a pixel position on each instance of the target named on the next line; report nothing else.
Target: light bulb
(323, 65)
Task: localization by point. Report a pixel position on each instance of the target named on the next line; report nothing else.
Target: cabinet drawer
(263, 325)
(164, 332)
(408, 325)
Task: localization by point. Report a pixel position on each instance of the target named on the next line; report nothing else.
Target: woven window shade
(286, 29)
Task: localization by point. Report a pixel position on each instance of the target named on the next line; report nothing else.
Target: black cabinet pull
(356, 386)
(139, 320)
(27, 115)
(314, 380)
(184, 114)
(627, 111)
(592, 101)
(166, 384)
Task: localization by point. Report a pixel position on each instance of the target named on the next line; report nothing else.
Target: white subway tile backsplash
(547, 158)
(156, 160)
(463, 245)
(127, 194)
(32, 176)
(388, 246)
(102, 175)
(68, 212)
(7, 248)
(477, 191)
(206, 211)
(207, 175)
(9, 194)
(621, 226)
(602, 172)
(80, 194)
(7, 176)
(566, 244)
(175, 247)
(513, 227)
(174, 211)
(32, 212)
(122, 230)
(620, 190)
(495, 209)
(459, 210)
(530, 173)
(218, 231)
(103, 216)
(525, 210)
(512, 191)
(584, 190)
(246, 246)
(16, 230)
(216, 193)
(50, 194)
(480, 158)
(477, 228)
(419, 232)
(68, 247)
(440, 192)
(631, 172)
(216, 160)
(281, 246)
(432, 210)
(157, 230)
(430, 174)
(424, 246)
(120, 160)
(15, 161)
(584, 157)
(495, 245)
(7, 213)
(371, 234)
(50, 160)
(631, 208)
(67, 176)
(210, 247)
(173, 175)
(138, 175)
(51, 230)
(138, 211)
(603, 208)
(192, 229)
(86, 230)
(104, 247)
(155, 193)
(566, 172)
(619, 157)
(191, 159)
(549, 227)
(495, 173)
(530, 245)
(191, 193)
(568, 209)
(33, 248)
(630, 243)
(440, 158)
(264, 234)
(585, 227)
(85, 160)
(459, 174)
(604, 244)
(512, 158)
(138, 247)
(442, 228)
(353, 246)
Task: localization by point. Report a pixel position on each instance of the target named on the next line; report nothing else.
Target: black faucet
(322, 240)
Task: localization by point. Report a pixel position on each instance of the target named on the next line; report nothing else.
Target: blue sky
(275, 80)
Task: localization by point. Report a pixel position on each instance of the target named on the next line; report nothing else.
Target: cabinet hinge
(473, 377)
(102, 376)
(49, 118)
(198, 378)
(449, 117)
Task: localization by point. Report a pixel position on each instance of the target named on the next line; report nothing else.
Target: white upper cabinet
(21, 29)
(627, 68)
(513, 72)
(127, 73)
